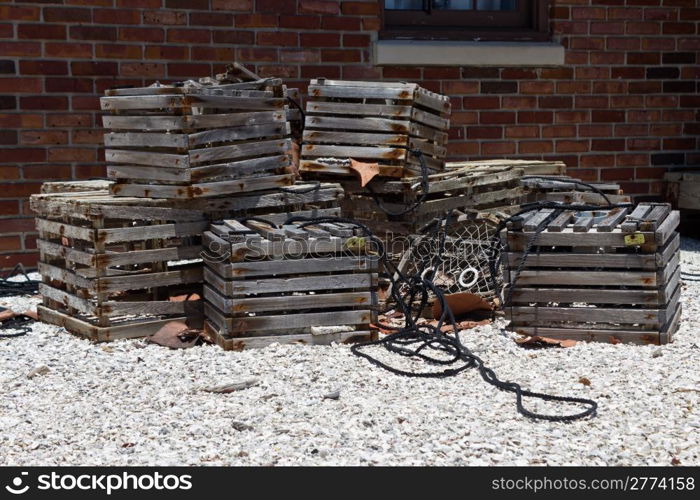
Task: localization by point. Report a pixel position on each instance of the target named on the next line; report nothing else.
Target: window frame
(414, 28)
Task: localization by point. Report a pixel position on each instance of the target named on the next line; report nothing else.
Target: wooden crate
(197, 141)
(375, 122)
(266, 285)
(117, 267)
(563, 189)
(471, 188)
(609, 275)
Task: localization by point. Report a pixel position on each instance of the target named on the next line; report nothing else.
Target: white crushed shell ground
(126, 403)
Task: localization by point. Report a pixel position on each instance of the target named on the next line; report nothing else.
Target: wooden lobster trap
(566, 189)
(117, 267)
(197, 141)
(373, 122)
(483, 189)
(288, 283)
(610, 275)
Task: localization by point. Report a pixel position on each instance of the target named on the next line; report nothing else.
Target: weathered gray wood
(586, 315)
(266, 268)
(243, 150)
(240, 343)
(523, 295)
(246, 100)
(631, 222)
(147, 158)
(615, 278)
(191, 122)
(668, 227)
(655, 217)
(585, 260)
(379, 153)
(151, 232)
(583, 224)
(560, 221)
(287, 303)
(430, 119)
(640, 337)
(363, 92)
(366, 124)
(537, 220)
(203, 189)
(324, 137)
(358, 109)
(283, 285)
(135, 329)
(262, 323)
(612, 219)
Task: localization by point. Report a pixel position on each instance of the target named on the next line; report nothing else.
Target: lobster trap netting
(456, 255)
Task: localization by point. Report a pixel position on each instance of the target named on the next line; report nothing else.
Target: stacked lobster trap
(117, 267)
(120, 267)
(382, 123)
(192, 141)
(610, 275)
(268, 282)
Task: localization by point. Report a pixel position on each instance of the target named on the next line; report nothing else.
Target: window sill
(463, 53)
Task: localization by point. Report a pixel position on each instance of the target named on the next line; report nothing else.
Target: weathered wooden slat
(656, 216)
(134, 329)
(249, 101)
(583, 224)
(589, 278)
(243, 150)
(283, 285)
(147, 158)
(585, 260)
(523, 295)
(60, 229)
(586, 315)
(560, 221)
(288, 302)
(361, 92)
(304, 320)
(631, 222)
(190, 122)
(358, 109)
(537, 220)
(151, 232)
(324, 137)
(612, 219)
(379, 153)
(267, 130)
(640, 337)
(361, 124)
(203, 189)
(241, 343)
(430, 119)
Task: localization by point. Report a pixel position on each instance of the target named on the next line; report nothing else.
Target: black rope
(19, 322)
(429, 343)
(27, 287)
(425, 188)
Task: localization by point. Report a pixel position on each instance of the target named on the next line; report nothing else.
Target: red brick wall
(624, 107)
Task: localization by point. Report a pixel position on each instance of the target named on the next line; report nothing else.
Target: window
(466, 20)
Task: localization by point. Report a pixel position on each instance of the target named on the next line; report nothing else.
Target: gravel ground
(128, 403)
